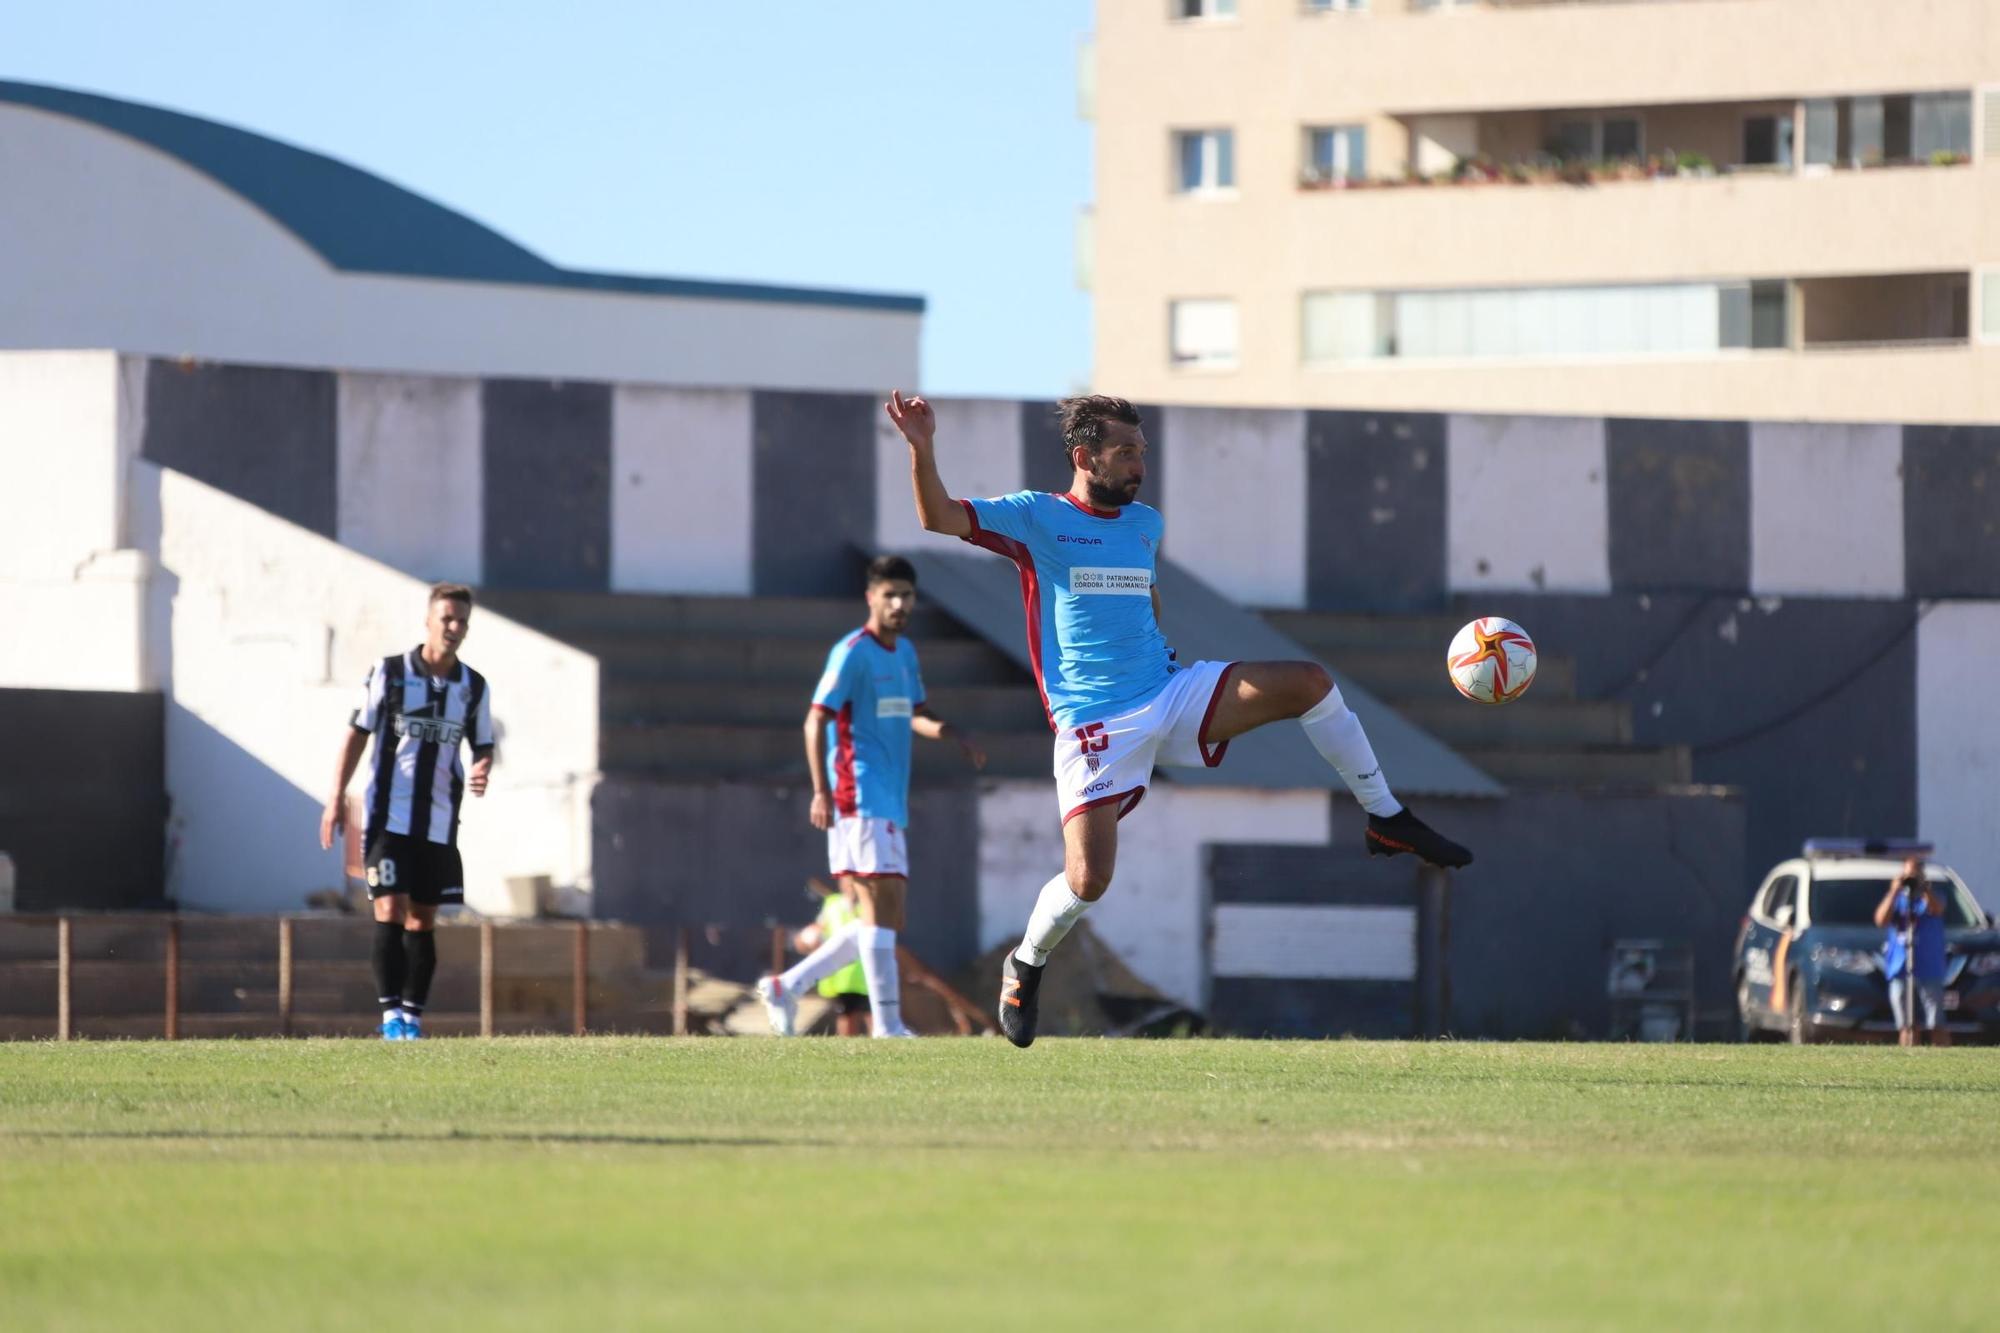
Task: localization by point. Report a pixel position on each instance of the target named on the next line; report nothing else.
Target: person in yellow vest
(847, 988)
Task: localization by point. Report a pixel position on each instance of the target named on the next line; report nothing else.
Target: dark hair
(1081, 419)
(450, 592)
(884, 568)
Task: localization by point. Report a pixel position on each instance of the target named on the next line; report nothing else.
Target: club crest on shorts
(1092, 762)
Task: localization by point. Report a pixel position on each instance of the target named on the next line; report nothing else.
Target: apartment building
(1731, 208)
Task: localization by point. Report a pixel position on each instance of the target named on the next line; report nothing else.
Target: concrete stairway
(717, 687)
(1549, 738)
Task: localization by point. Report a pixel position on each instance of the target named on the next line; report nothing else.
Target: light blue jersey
(868, 695)
(1087, 578)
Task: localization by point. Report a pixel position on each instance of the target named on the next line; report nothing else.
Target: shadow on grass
(449, 1136)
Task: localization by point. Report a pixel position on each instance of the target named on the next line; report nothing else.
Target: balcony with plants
(1699, 141)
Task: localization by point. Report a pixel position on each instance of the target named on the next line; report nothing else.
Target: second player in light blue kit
(869, 702)
(1118, 699)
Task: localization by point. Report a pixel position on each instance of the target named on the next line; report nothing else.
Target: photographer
(1913, 914)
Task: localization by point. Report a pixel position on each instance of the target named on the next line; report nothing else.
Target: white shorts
(871, 848)
(1113, 760)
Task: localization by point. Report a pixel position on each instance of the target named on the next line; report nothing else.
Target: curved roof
(360, 223)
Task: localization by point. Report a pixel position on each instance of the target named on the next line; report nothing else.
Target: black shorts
(847, 1002)
(428, 872)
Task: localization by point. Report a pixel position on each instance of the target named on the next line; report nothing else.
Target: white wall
(108, 243)
(1528, 505)
(1958, 740)
(1234, 498)
(978, 455)
(70, 601)
(271, 631)
(682, 465)
(1826, 509)
(410, 473)
(1152, 915)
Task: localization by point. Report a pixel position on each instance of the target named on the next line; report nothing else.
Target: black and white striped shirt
(416, 784)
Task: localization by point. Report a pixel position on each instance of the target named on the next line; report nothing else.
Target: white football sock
(885, 982)
(1336, 733)
(1056, 910)
(840, 950)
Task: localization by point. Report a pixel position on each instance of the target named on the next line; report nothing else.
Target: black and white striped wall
(1809, 605)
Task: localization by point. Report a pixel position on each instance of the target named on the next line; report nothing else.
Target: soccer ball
(1492, 661)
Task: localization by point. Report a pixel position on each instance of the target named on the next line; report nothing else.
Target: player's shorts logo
(1092, 762)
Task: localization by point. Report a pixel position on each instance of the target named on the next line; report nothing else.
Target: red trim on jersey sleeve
(1031, 597)
(972, 514)
(1131, 799)
(1212, 758)
(822, 709)
(1091, 510)
(843, 761)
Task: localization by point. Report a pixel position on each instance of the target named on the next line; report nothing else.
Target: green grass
(611, 1184)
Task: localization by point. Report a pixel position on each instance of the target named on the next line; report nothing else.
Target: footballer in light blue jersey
(869, 702)
(867, 696)
(1087, 575)
(1117, 698)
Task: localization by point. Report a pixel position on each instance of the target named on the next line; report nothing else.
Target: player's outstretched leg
(780, 992)
(1256, 693)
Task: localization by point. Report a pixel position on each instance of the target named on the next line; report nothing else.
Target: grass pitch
(611, 1184)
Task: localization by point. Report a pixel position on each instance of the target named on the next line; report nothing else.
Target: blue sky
(927, 146)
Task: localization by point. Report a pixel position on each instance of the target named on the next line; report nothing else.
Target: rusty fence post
(62, 979)
(284, 976)
(172, 1024)
(681, 982)
(580, 979)
(485, 978)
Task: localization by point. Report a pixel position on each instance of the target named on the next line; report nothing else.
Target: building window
(1871, 131)
(1756, 315)
(1204, 9)
(1206, 160)
(1334, 6)
(1335, 153)
(1543, 323)
(1202, 334)
(1767, 141)
(1598, 139)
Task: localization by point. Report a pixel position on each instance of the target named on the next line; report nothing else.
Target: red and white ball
(1492, 661)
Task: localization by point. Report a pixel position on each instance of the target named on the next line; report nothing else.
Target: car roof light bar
(1834, 847)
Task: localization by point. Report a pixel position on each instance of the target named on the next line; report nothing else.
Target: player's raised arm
(936, 510)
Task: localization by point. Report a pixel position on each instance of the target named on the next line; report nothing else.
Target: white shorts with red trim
(1113, 760)
(858, 845)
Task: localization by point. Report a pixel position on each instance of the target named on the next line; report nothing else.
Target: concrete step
(778, 752)
(796, 663)
(1401, 675)
(626, 700)
(1532, 721)
(1587, 767)
(616, 614)
(1332, 632)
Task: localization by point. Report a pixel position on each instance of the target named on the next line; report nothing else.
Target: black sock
(388, 960)
(421, 947)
